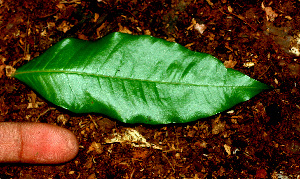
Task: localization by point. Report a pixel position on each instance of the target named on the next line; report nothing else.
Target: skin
(36, 143)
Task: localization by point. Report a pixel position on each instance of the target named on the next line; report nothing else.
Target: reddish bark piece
(261, 173)
(36, 143)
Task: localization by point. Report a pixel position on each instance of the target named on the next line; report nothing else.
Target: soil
(259, 138)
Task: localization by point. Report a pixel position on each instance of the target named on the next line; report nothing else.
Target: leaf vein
(136, 79)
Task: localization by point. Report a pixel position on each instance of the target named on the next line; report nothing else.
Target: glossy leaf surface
(136, 79)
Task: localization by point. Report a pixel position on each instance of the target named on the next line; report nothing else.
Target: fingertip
(38, 143)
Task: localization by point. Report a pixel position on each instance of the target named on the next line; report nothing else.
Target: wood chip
(124, 29)
(248, 64)
(227, 149)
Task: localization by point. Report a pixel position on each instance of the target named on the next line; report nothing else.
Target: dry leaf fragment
(147, 32)
(82, 36)
(270, 14)
(32, 101)
(295, 51)
(9, 70)
(62, 118)
(27, 57)
(50, 25)
(95, 147)
(230, 63)
(64, 26)
(200, 28)
(44, 33)
(133, 137)
(218, 126)
(124, 29)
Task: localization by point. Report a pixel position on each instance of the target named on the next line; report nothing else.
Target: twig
(43, 113)
(131, 175)
(240, 17)
(169, 162)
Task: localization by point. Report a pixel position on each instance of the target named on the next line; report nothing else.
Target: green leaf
(136, 79)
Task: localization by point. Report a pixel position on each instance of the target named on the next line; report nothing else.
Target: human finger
(36, 143)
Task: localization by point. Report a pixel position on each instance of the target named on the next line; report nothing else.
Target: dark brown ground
(256, 139)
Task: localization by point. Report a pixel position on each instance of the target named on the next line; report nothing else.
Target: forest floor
(259, 138)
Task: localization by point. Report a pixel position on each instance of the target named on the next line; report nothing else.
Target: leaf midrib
(132, 79)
